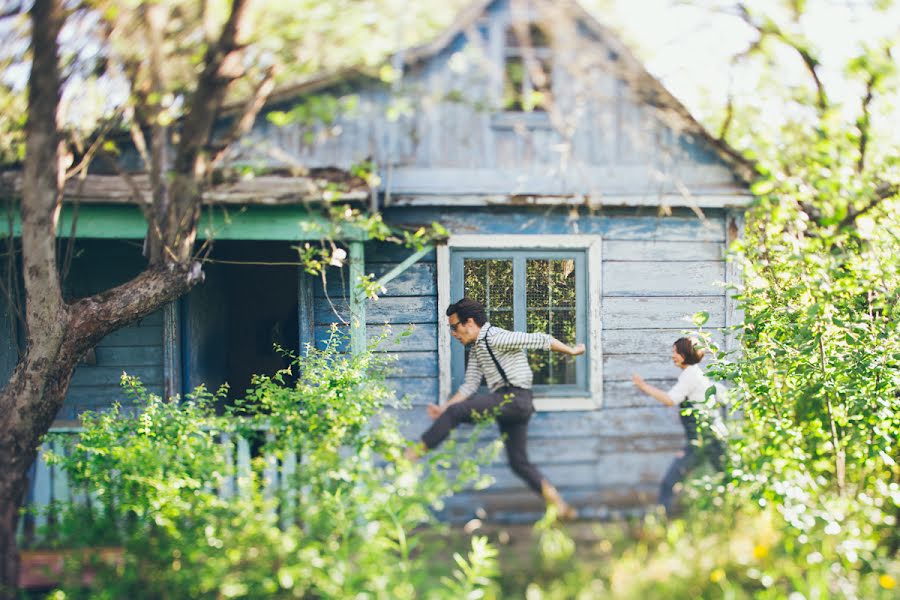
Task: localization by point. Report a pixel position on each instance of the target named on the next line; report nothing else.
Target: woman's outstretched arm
(650, 390)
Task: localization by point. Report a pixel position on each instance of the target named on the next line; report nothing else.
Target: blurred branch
(863, 123)
(243, 124)
(771, 29)
(883, 192)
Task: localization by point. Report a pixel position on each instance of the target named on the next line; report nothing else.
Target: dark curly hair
(467, 309)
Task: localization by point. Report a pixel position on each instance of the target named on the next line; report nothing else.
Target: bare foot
(564, 510)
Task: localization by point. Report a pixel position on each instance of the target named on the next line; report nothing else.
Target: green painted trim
(293, 223)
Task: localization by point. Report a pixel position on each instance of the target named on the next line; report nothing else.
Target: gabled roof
(647, 88)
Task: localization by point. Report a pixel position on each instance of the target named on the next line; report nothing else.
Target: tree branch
(809, 61)
(883, 192)
(94, 317)
(222, 68)
(191, 166)
(243, 124)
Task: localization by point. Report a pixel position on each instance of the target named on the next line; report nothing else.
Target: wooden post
(357, 299)
(734, 317)
(172, 383)
(306, 334)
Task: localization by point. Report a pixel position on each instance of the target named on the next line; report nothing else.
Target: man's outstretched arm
(520, 340)
(558, 346)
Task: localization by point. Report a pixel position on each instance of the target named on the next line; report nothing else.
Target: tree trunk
(38, 386)
(60, 333)
(13, 484)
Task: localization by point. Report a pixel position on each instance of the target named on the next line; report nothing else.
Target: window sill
(519, 119)
(559, 403)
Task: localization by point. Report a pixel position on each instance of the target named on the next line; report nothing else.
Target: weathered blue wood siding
(440, 130)
(410, 303)
(656, 271)
(136, 349)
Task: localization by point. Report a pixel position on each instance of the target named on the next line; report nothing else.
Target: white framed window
(547, 283)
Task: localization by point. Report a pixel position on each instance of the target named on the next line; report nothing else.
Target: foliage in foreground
(346, 524)
(740, 555)
(809, 504)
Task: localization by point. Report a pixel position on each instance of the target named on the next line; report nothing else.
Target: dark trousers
(691, 457)
(512, 407)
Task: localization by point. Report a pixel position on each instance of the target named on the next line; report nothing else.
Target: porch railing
(50, 484)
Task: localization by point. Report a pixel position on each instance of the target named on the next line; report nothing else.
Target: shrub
(346, 521)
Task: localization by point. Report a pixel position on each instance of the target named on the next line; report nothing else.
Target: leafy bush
(346, 521)
(749, 554)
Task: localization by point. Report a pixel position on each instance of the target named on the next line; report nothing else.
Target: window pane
(550, 297)
(524, 86)
(490, 281)
(514, 84)
(536, 37)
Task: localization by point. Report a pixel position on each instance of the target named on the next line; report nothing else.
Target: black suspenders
(494, 358)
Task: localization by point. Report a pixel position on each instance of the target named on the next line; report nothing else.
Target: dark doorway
(232, 322)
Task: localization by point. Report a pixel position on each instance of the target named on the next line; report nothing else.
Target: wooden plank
(226, 483)
(664, 313)
(357, 299)
(638, 421)
(306, 335)
(261, 189)
(150, 335)
(621, 225)
(244, 478)
(734, 316)
(418, 391)
(623, 394)
(152, 320)
(647, 341)
(702, 199)
(86, 375)
(574, 450)
(546, 179)
(270, 472)
(289, 494)
(129, 356)
(443, 332)
(617, 394)
(664, 278)
(412, 364)
(624, 469)
(620, 367)
(396, 311)
(171, 358)
(420, 337)
(59, 475)
(42, 490)
(102, 396)
(418, 280)
(653, 250)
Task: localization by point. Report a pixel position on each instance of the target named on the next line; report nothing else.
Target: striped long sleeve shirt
(509, 348)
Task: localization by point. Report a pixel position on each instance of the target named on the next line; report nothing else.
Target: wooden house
(581, 199)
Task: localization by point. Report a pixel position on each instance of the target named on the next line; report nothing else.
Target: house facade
(580, 197)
